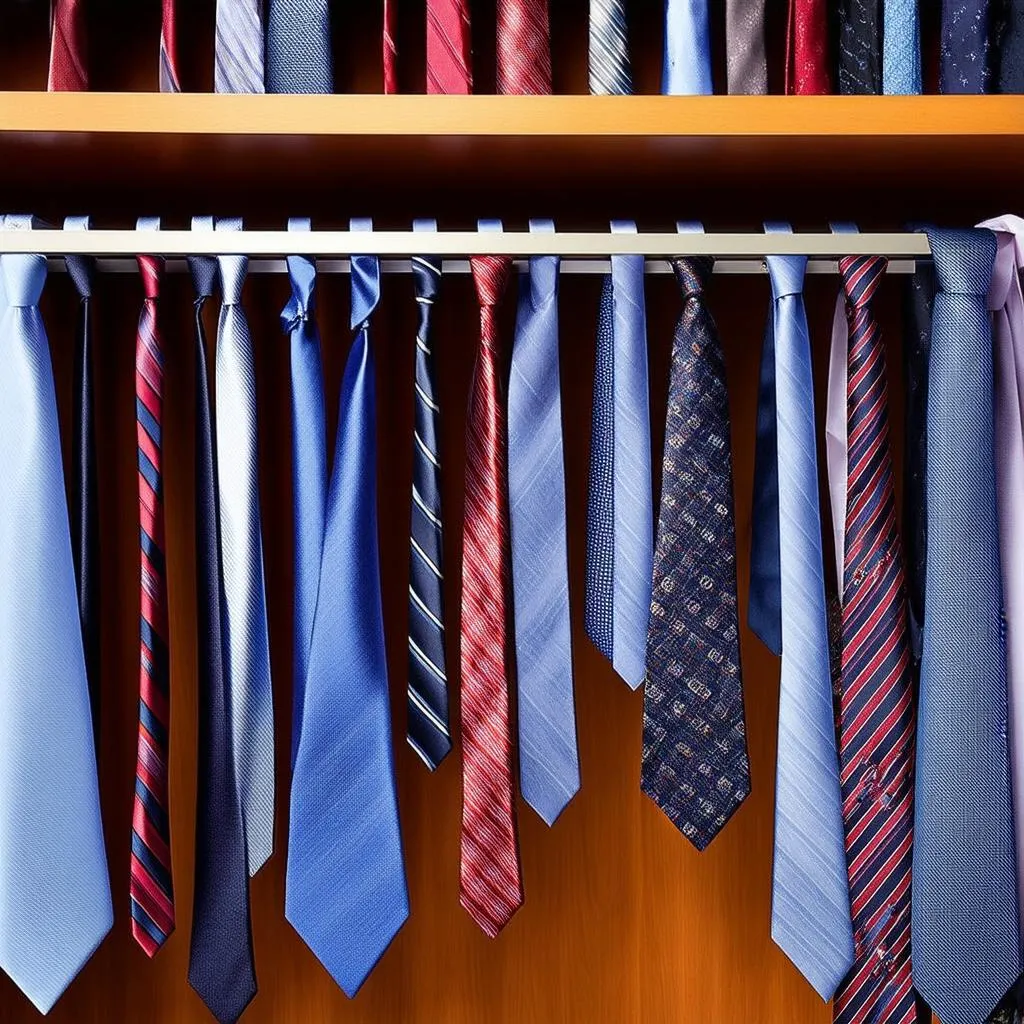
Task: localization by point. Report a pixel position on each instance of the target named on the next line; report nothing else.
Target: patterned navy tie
(860, 47)
(964, 64)
(695, 764)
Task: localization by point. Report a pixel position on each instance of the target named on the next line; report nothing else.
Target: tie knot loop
(692, 273)
(300, 307)
(81, 270)
(365, 288)
(490, 275)
(232, 277)
(25, 276)
(963, 260)
(426, 272)
(861, 276)
(203, 270)
(787, 274)
(150, 268)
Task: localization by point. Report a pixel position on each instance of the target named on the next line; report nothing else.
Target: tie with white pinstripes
(524, 48)
(239, 46)
(610, 70)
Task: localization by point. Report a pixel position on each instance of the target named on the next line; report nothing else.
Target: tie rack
(582, 252)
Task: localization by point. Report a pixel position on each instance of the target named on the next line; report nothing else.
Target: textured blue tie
(299, 56)
(967, 29)
(966, 938)
(309, 462)
(620, 515)
(901, 48)
(810, 888)
(687, 67)
(345, 889)
(548, 759)
(55, 904)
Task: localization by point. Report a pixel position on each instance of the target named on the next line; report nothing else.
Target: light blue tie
(687, 68)
(548, 759)
(309, 462)
(345, 889)
(55, 904)
(238, 63)
(901, 48)
(246, 645)
(810, 888)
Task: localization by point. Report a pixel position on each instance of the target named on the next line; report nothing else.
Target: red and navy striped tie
(151, 892)
(876, 735)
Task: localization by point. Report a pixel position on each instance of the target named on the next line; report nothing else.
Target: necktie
(548, 759)
(299, 58)
(490, 885)
(876, 732)
(745, 53)
(345, 890)
(860, 47)
(965, 925)
(807, 56)
(69, 71)
(152, 895)
(85, 526)
(428, 733)
(610, 71)
(1011, 50)
(170, 78)
(309, 462)
(55, 907)
(449, 47)
(390, 47)
(687, 65)
(221, 968)
(620, 515)
(238, 65)
(964, 58)
(524, 48)
(901, 48)
(695, 764)
(245, 608)
(810, 893)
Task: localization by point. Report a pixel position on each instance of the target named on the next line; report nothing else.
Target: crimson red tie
(491, 889)
(68, 70)
(449, 47)
(807, 68)
(170, 76)
(390, 47)
(524, 48)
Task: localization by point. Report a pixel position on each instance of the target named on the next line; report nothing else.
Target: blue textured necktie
(967, 30)
(55, 904)
(687, 65)
(246, 644)
(620, 516)
(299, 58)
(901, 48)
(966, 937)
(810, 888)
(221, 968)
(548, 759)
(610, 71)
(345, 890)
(309, 462)
(239, 53)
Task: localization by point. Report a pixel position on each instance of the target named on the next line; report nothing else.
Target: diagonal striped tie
(524, 48)
(610, 71)
(239, 46)
(390, 53)
(152, 895)
(449, 48)
(170, 77)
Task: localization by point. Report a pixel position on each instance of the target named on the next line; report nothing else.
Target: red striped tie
(491, 889)
(876, 734)
(390, 47)
(524, 48)
(449, 47)
(68, 71)
(152, 895)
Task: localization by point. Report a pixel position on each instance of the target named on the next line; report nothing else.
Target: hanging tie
(524, 48)
(69, 65)
(964, 54)
(299, 55)
(345, 890)
(55, 907)
(687, 64)
(610, 69)
(807, 49)
(170, 77)
(449, 48)
(1011, 50)
(548, 758)
(860, 47)
(745, 53)
(239, 60)
(901, 48)
(221, 968)
(390, 47)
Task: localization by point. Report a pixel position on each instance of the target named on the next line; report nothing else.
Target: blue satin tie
(687, 66)
(548, 759)
(299, 57)
(55, 904)
(966, 939)
(901, 48)
(810, 887)
(345, 889)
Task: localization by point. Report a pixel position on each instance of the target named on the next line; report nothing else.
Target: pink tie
(390, 47)
(449, 47)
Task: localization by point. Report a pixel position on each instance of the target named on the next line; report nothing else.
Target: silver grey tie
(239, 48)
(610, 73)
(744, 47)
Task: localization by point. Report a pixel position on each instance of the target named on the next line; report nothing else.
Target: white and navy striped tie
(239, 50)
(610, 73)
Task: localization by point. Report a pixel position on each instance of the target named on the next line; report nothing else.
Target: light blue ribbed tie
(55, 904)
(620, 512)
(299, 58)
(238, 65)
(687, 66)
(901, 48)
(548, 759)
(345, 890)
(309, 462)
(246, 644)
(810, 888)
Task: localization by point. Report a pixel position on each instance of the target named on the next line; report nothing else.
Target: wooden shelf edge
(469, 116)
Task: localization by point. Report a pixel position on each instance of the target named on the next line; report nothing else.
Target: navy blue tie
(965, 55)
(299, 47)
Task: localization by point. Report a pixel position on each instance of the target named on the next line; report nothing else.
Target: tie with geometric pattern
(524, 48)
(860, 47)
(610, 70)
(695, 765)
(239, 52)
(449, 48)
(170, 77)
(69, 65)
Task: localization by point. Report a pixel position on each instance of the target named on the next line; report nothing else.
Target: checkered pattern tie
(68, 65)
(524, 47)
(449, 48)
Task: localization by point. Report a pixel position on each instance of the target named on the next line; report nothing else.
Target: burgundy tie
(68, 72)
(491, 889)
(524, 48)
(170, 77)
(807, 69)
(390, 47)
(449, 47)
